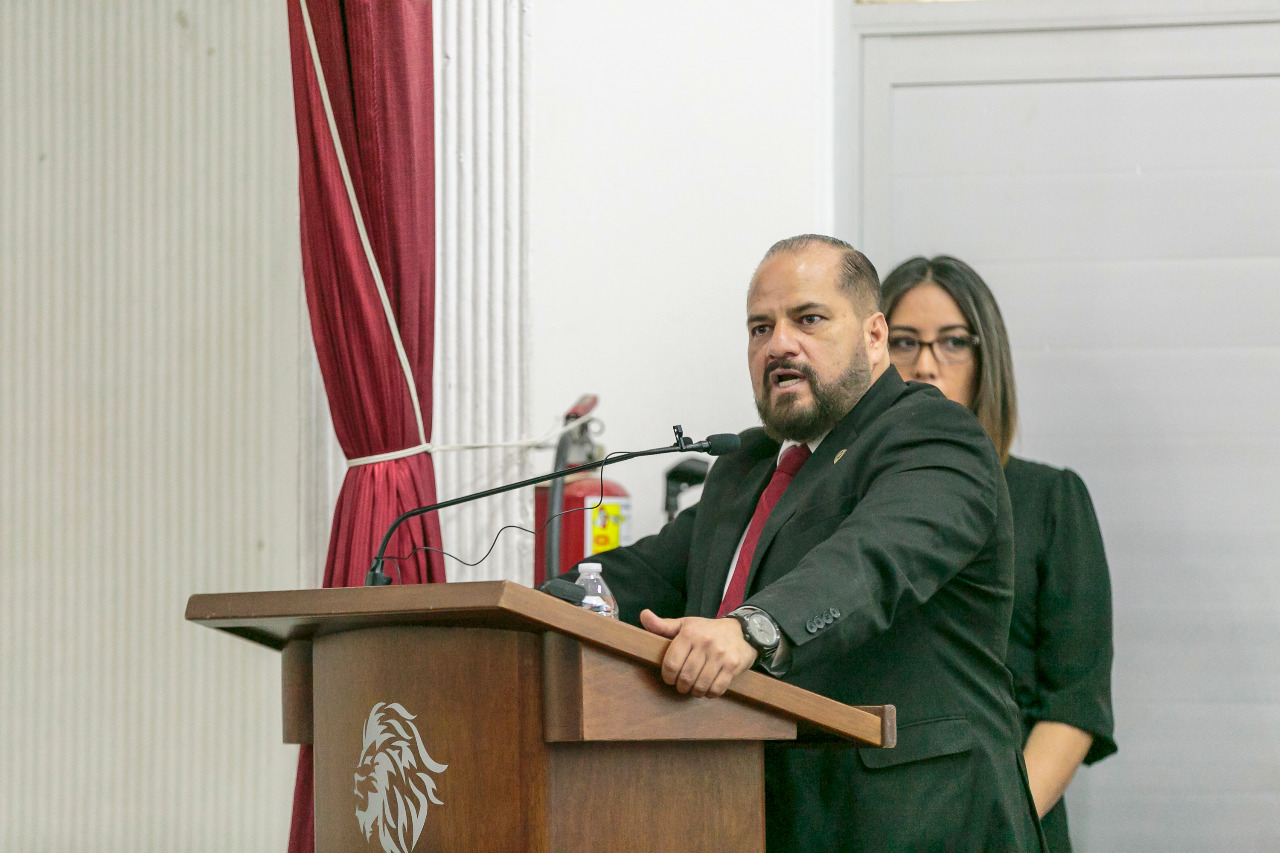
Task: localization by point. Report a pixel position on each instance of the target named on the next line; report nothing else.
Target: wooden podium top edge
(273, 618)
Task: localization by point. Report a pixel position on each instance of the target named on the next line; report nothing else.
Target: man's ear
(875, 335)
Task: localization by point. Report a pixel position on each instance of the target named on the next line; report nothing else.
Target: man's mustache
(787, 364)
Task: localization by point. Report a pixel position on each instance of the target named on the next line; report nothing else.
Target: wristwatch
(758, 629)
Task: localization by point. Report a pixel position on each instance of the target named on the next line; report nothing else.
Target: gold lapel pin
(838, 455)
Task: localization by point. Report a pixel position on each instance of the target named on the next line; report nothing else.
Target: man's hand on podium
(705, 655)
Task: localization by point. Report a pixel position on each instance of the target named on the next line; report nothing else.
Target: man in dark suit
(859, 545)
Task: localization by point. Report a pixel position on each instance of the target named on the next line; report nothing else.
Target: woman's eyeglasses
(948, 349)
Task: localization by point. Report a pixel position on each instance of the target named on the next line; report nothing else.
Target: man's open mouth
(784, 378)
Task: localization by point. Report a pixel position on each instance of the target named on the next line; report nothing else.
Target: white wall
(672, 143)
(1110, 170)
(154, 387)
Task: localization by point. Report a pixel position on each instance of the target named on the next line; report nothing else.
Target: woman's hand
(1053, 752)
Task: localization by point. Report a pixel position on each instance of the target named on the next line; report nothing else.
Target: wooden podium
(551, 723)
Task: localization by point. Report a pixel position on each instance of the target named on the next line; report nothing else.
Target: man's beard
(787, 419)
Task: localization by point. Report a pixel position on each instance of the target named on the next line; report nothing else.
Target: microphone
(563, 590)
(714, 445)
(718, 444)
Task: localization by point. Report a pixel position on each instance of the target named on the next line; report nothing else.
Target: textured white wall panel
(154, 373)
(1115, 186)
(481, 379)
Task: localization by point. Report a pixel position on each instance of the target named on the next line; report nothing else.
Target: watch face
(762, 630)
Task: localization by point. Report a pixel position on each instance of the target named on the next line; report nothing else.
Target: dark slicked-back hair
(995, 400)
(858, 278)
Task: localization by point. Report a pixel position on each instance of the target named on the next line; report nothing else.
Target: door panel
(1118, 186)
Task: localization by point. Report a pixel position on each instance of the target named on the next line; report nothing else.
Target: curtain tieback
(393, 454)
(545, 441)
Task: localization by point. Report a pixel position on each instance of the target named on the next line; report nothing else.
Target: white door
(1116, 180)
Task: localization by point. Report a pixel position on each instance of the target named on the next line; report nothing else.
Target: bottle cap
(584, 568)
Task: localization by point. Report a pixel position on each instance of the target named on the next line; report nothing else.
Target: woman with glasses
(945, 329)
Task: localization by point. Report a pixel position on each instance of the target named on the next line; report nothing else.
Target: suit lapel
(733, 514)
(821, 464)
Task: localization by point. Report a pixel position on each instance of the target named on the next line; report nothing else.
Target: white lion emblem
(391, 783)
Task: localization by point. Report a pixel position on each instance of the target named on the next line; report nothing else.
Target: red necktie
(782, 477)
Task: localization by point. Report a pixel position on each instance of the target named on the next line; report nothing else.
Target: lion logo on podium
(392, 782)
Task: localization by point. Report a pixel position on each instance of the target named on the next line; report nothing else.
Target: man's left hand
(705, 655)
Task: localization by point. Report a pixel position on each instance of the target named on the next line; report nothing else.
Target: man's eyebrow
(797, 309)
(808, 306)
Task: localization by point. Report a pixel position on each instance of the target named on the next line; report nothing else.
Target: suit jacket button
(835, 614)
(810, 627)
(827, 618)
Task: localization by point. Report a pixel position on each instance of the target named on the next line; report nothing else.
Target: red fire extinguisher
(596, 516)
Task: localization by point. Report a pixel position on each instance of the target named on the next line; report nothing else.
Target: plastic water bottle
(599, 597)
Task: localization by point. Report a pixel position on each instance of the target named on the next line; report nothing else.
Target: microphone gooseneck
(715, 445)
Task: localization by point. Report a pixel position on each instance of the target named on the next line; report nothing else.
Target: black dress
(1060, 639)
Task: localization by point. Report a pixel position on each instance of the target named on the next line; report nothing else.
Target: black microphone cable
(715, 445)
(395, 559)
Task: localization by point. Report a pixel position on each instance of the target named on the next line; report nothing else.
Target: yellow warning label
(608, 527)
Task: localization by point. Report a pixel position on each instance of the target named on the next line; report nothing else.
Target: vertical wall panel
(1134, 257)
(481, 381)
(154, 373)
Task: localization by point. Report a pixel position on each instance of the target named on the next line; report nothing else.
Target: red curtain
(376, 66)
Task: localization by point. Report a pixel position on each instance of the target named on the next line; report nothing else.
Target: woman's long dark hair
(995, 400)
